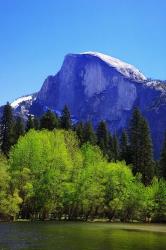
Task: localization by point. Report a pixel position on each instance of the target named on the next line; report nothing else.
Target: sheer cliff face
(98, 87)
(91, 88)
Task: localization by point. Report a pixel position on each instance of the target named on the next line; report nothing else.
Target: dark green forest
(51, 168)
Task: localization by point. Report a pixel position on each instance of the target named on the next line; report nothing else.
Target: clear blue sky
(35, 35)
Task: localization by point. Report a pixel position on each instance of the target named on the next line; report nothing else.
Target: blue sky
(35, 35)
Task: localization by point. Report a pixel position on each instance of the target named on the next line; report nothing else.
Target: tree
(65, 119)
(135, 141)
(147, 162)
(30, 123)
(9, 197)
(49, 121)
(89, 133)
(141, 147)
(79, 129)
(115, 148)
(6, 129)
(102, 137)
(36, 123)
(162, 163)
(18, 128)
(124, 147)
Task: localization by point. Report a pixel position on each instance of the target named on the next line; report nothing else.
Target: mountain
(99, 87)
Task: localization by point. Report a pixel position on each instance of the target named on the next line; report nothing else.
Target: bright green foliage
(123, 192)
(162, 164)
(92, 187)
(6, 129)
(102, 137)
(9, 199)
(49, 121)
(50, 176)
(65, 119)
(47, 159)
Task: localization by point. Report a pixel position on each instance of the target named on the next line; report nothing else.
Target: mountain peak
(124, 68)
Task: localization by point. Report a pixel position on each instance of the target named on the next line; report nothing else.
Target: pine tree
(30, 123)
(6, 129)
(18, 128)
(79, 129)
(49, 121)
(162, 164)
(147, 162)
(36, 123)
(115, 148)
(65, 119)
(102, 137)
(110, 147)
(89, 133)
(141, 147)
(124, 147)
(135, 140)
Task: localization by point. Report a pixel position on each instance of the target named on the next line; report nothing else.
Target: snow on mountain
(124, 68)
(18, 101)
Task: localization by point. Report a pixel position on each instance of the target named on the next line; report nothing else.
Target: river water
(81, 236)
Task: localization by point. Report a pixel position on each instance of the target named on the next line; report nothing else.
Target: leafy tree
(6, 129)
(102, 137)
(41, 165)
(30, 123)
(162, 164)
(122, 194)
(65, 119)
(89, 133)
(49, 121)
(9, 198)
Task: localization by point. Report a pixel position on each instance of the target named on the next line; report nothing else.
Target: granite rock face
(98, 87)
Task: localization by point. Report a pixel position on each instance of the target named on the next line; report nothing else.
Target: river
(81, 236)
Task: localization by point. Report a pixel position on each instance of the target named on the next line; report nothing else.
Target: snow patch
(124, 68)
(16, 103)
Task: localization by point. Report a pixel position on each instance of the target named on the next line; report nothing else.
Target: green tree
(147, 162)
(135, 140)
(65, 119)
(89, 133)
(124, 147)
(141, 147)
(115, 148)
(79, 129)
(49, 121)
(162, 163)
(6, 129)
(9, 198)
(18, 128)
(102, 137)
(36, 123)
